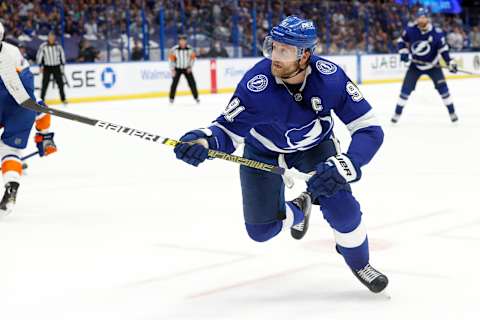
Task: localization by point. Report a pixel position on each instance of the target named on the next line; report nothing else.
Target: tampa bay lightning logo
(421, 48)
(326, 67)
(257, 83)
(304, 137)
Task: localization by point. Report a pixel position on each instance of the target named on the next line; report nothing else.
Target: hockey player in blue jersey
(17, 122)
(425, 44)
(282, 112)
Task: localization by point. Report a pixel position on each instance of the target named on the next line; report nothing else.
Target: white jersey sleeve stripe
(367, 120)
(236, 139)
(267, 142)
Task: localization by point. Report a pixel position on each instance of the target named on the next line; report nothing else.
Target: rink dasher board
(93, 82)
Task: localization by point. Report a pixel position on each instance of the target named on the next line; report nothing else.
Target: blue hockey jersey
(425, 46)
(266, 115)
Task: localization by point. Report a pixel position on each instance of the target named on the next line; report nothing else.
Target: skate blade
(7, 211)
(4, 213)
(384, 293)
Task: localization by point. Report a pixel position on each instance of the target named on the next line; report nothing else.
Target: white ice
(113, 227)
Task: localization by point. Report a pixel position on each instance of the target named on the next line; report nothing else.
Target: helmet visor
(278, 51)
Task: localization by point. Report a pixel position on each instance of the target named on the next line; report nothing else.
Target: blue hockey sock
(398, 109)
(357, 257)
(450, 108)
(294, 215)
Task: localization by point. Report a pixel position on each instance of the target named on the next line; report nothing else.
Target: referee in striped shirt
(51, 59)
(181, 59)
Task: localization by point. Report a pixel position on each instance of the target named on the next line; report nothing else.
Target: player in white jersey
(17, 121)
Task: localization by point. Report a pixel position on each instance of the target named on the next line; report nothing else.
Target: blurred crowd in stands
(100, 30)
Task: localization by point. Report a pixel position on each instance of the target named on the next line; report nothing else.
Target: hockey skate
(9, 198)
(453, 117)
(373, 279)
(395, 118)
(304, 202)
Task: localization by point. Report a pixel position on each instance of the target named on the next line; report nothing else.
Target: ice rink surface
(115, 228)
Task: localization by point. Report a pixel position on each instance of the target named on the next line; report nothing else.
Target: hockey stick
(24, 164)
(29, 155)
(16, 89)
(32, 105)
(444, 67)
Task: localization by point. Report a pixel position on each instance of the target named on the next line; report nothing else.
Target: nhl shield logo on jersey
(326, 67)
(257, 83)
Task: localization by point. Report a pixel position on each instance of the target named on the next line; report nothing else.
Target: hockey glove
(194, 151)
(404, 57)
(45, 143)
(333, 176)
(452, 66)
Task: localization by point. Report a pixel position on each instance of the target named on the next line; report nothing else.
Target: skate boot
(304, 202)
(9, 198)
(395, 118)
(453, 117)
(374, 280)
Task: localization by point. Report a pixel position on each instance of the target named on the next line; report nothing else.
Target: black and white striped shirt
(181, 58)
(50, 55)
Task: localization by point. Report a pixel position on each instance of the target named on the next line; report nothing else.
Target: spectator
(29, 29)
(87, 52)
(91, 28)
(455, 39)
(338, 22)
(25, 7)
(71, 27)
(137, 52)
(475, 38)
(217, 50)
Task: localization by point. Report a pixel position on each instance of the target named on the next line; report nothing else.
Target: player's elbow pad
(365, 144)
(377, 134)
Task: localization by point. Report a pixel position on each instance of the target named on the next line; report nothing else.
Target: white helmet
(2, 31)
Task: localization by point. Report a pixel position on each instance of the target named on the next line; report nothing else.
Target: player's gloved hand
(404, 57)
(332, 176)
(45, 143)
(194, 151)
(452, 66)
